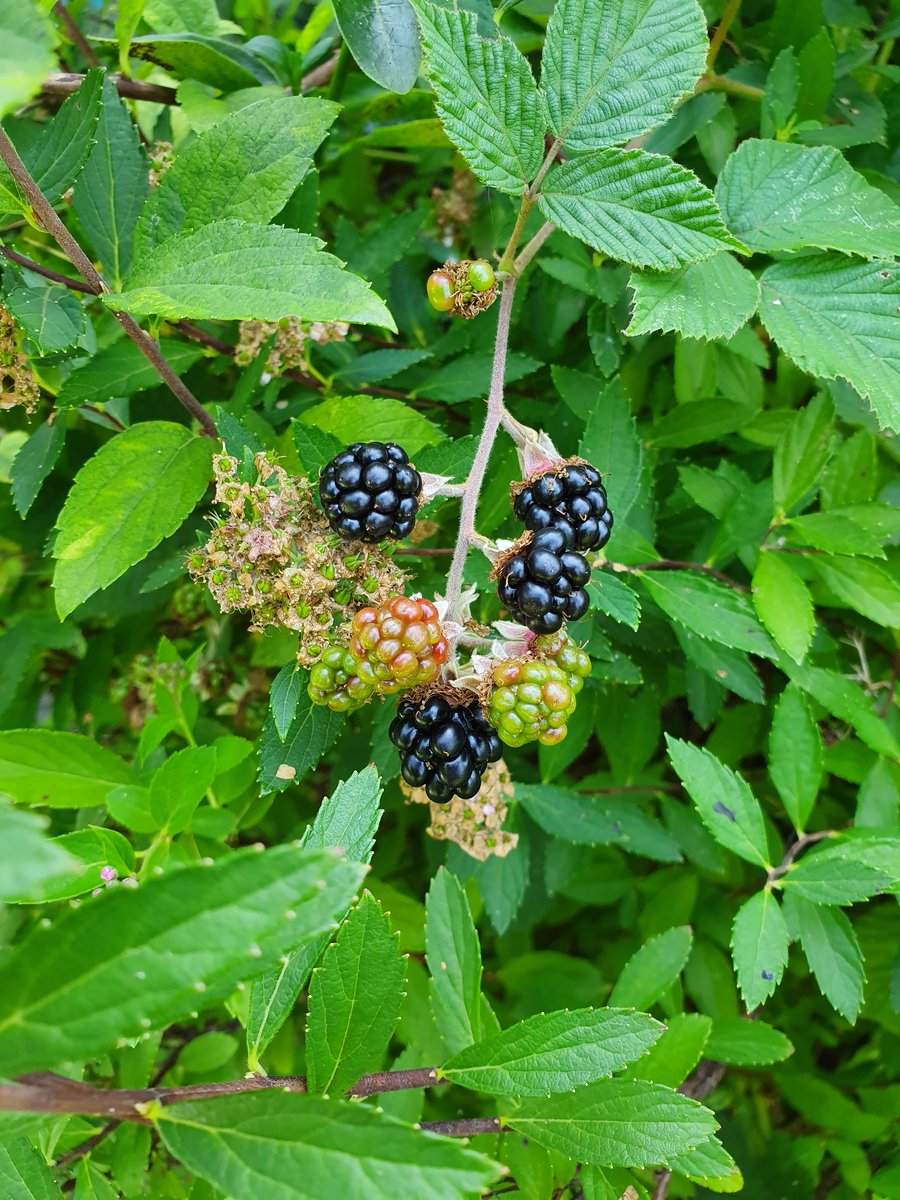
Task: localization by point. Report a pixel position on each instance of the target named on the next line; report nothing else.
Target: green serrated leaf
(611, 440)
(643, 209)
(287, 687)
(617, 1122)
(837, 319)
(596, 821)
(862, 586)
(708, 608)
(344, 416)
(554, 1052)
(246, 167)
(306, 1148)
(92, 851)
(613, 69)
(454, 960)
(653, 968)
(55, 159)
(740, 1042)
(286, 760)
(354, 1000)
(780, 196)
(677, 1052)
(145, 956)
(234, 270)
(709, 299)
(348, 819)
(209, 60)
(726, 805)
(795, 756)
(833, 954)
(849, 702)
(27, 857)
(57, 769)
(23, 1173)
(134, 492)
(759, 944)
(34, 462)
(54, 319)
(615, 598)
(178, 786)
(835, 876)
(498, 130)
(121, 370)
(802, 452)
(383, 38)
(27, 57)
(784, 604)
(711, 1166)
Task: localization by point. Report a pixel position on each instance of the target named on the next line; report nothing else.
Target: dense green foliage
(674, 971)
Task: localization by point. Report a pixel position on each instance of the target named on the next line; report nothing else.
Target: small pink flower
(108, 874)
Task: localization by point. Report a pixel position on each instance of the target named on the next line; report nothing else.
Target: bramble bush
(448, 723)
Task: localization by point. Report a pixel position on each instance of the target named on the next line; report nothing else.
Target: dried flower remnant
(291, 335)
(18, 386)
(475, 825)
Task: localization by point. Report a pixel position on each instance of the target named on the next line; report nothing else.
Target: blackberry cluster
(444, 749)
(543, 584)
(533, 698)
(400, 644)
(370, 492)
(571, 500)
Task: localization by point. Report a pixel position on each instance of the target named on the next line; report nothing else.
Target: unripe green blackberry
(533, 698)
(339, 681)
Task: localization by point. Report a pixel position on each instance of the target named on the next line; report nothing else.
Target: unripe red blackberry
(444, 748)
(571, 499)
(339, 681)
(370, 492)
(543, 584)
(401, 642)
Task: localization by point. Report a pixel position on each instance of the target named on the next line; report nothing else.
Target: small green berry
(439, 290)
(481, 275)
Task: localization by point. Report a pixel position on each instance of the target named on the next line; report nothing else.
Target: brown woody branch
(48, 218)
(74, 34)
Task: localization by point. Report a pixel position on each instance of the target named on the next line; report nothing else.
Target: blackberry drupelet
(444, 748)
(400, 644)
(571, 499)
(370, 492)
(543, 584)
(533, 698)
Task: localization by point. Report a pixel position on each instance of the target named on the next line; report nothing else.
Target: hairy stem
(797, 847)
(74, 34)
(50, 221)
(482, 454)
(729, 13)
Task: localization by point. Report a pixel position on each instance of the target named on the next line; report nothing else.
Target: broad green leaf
(709, 299)
(699, 421)
(58, 155)
(287, 687)
(27, 39)
(198, 16)
(134, 960)
(613, 69)
(93, 850)
(27, 857)
(286, 760)
(347, 819)
(609, 1183)
(128, 17)
(802, 452)
(23, 1173)
(34, 462)
(486, 97)
(711, 1166)
(783, 603)
(596, 821)
(780, 196)
(54, 319)
(677, 1052)
(611, 440)
(731, 668)
(344, 416)
(615, 598)
(554, 1052)
(306, 1148)
(354, 1000)
(57, 769)
(835, 876)
(641, 208)
(759, 945)
(121, 370)
(133, 493)
(91, 1183)
(708, 608)
(795, 756)
(616, 1122)
(653, 969)
(740, 1042)
(112, 187)
(838, 319)
(836, 533)
(454, 960)
(847, 701)
(179, 785)
(383, 38)
(233, 270)
(833, 954)
(861, 585)
(209, 60)
(246, 167)
(726, 805)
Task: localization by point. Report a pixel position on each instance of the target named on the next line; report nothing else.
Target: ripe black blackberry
(571, 499)
(444, 748)
(543, 584)
(370, 492)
